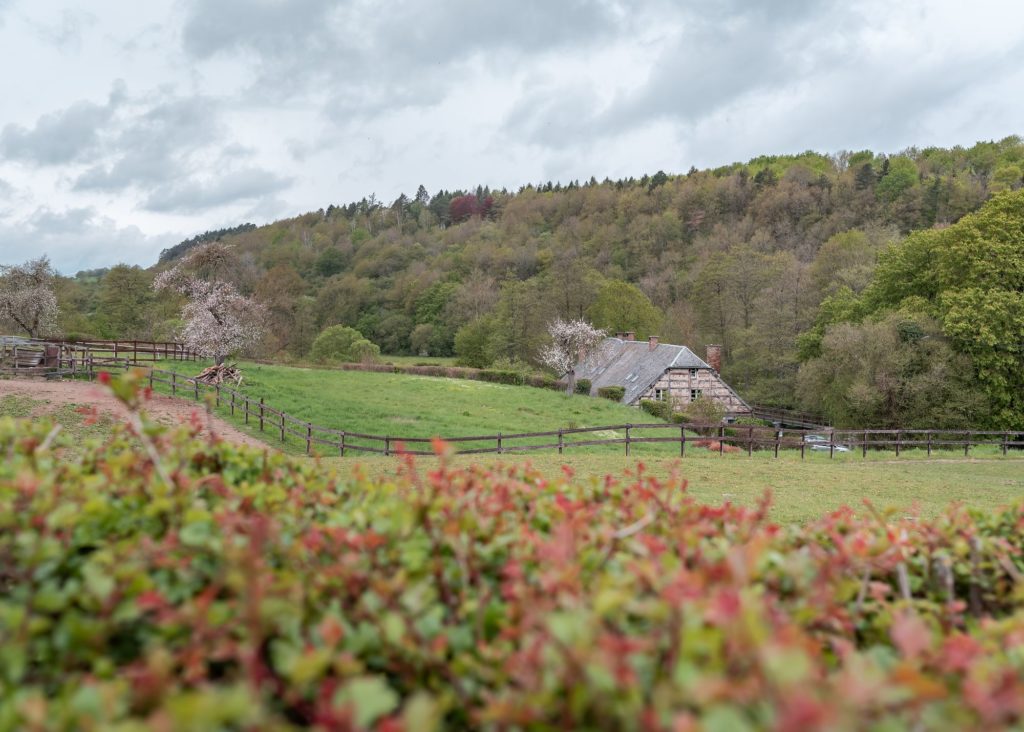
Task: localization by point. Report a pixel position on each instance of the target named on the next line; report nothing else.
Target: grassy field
(426, 406)
(801, 489)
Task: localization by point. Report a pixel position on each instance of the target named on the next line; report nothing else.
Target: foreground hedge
(223, 588)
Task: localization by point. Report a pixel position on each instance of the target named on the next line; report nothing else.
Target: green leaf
(370, 697)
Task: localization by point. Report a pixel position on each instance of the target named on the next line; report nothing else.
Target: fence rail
(717, 437)
(56, 357)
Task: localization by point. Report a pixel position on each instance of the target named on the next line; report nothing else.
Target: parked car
(820, 442)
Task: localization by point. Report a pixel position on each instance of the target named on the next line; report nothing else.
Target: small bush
(583, 386)
(614, 393)
(661, 410)
(341, 343)
(501, 377)
(752, 422)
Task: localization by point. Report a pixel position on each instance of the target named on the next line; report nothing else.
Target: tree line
(777, 259)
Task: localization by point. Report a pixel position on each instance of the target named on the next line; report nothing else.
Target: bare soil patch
(51, 395)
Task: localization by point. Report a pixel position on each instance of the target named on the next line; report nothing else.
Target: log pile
(218, 374)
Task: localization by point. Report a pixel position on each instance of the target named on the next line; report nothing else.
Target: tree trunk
(221, 358)
(572, 382)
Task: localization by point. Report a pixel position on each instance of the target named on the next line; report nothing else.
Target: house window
(660, 395)
(695, 394)
(693, 372)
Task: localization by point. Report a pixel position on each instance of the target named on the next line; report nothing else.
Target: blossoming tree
(571, 341)
(219, 320)
(26, 296)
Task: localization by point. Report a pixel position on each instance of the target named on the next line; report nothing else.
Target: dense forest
(777, 259)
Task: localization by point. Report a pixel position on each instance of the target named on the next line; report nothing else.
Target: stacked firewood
(219, 373)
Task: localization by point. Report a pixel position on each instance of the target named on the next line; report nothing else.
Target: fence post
(282, 426)
(967, 443)
(309, 436)
(387, 445)
(115, 350)
(151, 381)
(897, 443)
(803, 445)
(864, 445)
(627, 439)
(216, 388)
(341, 445)
(174, 383)
(261, 414)
(135, 351)
(232, 402)
(196, 384)
(750, 440)
(832, 443)
(245, 406)
(929, 443)
(778, 438)
(682, 441)
(559, 441)
(1006, 437)
(499, 443)
(721, 439)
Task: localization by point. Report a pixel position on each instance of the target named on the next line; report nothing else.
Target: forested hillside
(742, 255)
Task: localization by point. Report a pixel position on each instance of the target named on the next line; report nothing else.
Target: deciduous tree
(27, 299)
(571, 341)
(219, 321)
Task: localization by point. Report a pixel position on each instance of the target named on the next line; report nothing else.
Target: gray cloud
(788, 75)
(154, 147)
(70, 135)
(376, 56)
(78, 238)
(191, 196)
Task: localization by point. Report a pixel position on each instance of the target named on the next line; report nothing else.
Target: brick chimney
(714, 357)
(630, 335)
(652, 343)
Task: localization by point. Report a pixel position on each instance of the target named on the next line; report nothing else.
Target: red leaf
(910, 634)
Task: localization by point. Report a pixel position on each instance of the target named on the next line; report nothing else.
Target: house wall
(680, 383)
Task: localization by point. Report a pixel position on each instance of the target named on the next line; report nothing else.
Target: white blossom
(571, 341)
(26, 296)
(219, 321)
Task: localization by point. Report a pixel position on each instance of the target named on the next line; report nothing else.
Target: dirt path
(52, 395)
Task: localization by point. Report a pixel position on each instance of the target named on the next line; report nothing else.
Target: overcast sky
(128, 126)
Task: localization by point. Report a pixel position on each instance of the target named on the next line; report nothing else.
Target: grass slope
(421, 406)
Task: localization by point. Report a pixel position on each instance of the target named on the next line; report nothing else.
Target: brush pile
(218, 374)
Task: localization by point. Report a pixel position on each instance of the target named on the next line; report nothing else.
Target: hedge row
(461, 372)
(225, 588)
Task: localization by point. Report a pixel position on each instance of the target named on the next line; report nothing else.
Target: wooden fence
(137, 351)
(718, 437)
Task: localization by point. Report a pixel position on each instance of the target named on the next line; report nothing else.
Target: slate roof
(634, 365)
